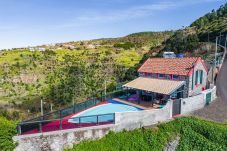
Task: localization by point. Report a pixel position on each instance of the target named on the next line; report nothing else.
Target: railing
(60, 117)
(64, 123)
(67, 111)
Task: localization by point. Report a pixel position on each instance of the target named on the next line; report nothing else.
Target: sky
(35, 22)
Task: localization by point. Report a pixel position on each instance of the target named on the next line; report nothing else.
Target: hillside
(203, 30)
(70, 72)
(212, 24)
(193, 134)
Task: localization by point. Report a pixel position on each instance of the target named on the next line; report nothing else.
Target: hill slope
(204, 29)
(70, 72)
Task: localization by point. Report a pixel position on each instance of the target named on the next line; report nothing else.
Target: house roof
(161, 86)
(177, 66)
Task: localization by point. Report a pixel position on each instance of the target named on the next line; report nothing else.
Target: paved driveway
(222, 83)
(217, 110)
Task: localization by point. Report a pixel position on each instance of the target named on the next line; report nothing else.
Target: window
(141, 74)
(174, 95)
(196, 77)
(149, 74)
(175, 77)
(199, 77)
(168, 76)
(154, 75)
(161, 75)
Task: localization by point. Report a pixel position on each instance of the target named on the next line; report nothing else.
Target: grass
(195, 134)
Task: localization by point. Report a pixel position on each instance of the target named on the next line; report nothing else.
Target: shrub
(7, 131)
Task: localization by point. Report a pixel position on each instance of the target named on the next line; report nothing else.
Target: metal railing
(67, 111)
(58, 118)
(64, 123)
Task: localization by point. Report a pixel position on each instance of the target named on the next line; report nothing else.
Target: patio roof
(161, 86)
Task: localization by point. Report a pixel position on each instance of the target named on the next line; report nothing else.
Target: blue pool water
(105, 112)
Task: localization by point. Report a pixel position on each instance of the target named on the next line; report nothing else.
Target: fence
(65, 123)
(57, 119)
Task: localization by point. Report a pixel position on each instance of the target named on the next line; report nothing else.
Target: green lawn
(195, 134)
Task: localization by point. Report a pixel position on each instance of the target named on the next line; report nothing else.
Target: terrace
(148, 93)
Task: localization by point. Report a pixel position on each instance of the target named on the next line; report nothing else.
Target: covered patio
(151, 92)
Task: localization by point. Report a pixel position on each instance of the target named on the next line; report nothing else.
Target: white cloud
(116, 15)
(90, 17)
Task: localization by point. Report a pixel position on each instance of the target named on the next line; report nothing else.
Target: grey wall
(58, 140)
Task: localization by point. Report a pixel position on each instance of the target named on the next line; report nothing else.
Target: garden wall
(132, 120)
(191, 104)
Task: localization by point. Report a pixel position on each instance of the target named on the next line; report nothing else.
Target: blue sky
(35, 22)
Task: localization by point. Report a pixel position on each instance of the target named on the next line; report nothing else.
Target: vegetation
(182, 42)
(195, 134)
(212, 24)
(7, 131)
(204, 29)
(63, 75)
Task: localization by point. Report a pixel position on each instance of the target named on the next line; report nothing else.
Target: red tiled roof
(177, 66)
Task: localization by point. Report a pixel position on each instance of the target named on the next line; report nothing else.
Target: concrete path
(217, 110)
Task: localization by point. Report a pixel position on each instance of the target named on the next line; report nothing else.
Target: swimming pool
(105, 112)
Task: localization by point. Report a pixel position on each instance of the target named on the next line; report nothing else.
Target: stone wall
(191, 104)
(58, 140)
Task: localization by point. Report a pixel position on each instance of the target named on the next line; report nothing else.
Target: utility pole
(225, 42)
(208, 36)
(105, 89)
(215, 57)
(51, 107)
(41, 106)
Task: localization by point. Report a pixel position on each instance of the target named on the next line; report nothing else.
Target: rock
(172, 145)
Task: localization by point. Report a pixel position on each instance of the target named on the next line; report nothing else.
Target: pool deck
(142, 105)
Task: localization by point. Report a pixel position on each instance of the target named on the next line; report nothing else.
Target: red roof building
(173, 66)
(192, 71)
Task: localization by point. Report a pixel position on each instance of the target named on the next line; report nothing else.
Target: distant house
(172, 77)
(91, 46)
(37, 49)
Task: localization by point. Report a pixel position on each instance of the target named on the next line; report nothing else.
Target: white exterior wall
(191, 104)
(132, 120)
(197, 89)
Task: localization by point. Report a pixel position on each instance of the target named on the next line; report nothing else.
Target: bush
(7, 131)
(126, 45)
